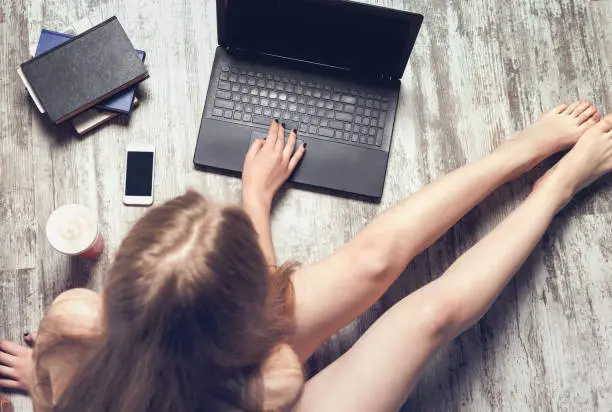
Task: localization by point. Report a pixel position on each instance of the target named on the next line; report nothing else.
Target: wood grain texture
(480, 71)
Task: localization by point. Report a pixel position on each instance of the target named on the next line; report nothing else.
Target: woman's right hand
(268, 164)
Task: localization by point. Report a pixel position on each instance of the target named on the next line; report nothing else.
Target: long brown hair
(190, 311)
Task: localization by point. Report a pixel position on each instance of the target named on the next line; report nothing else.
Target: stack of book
(87, 78)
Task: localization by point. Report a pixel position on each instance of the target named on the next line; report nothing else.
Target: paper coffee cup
(73, 231)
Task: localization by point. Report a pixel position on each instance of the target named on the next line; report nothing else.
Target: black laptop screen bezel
(414, 19)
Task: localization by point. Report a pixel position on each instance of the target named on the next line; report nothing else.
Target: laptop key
(238, 115)
(329, 105)
(225, 68)
(312, 130)
(334, 124)
(311, 111)
(223, 76)
(348, 99)
(379, 137)
(224, 86)
(247, 117)
(303, 128)
(349, 109)
(223, 94)
(265, 121)
(293, 107)
(383, 119)
(224, 104)
(344, 117)
(286, 116)
(248, 108)
(258, 110)
(355, 137)
(228, 114)
(346, 136)
(338, 134)
(326, 132)
(295, 117)
(217, 112)
(267, 112)
(348, 127)
(276, 114)
(233, 78)
(329, 114)
(315, 121)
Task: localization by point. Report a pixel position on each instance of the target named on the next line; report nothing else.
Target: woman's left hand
(268, 164)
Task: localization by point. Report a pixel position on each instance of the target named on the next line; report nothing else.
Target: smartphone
(140, 160)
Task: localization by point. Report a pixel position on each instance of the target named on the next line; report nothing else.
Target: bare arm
(267, 166)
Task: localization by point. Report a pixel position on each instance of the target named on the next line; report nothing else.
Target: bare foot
(590, 159)
(16, 366)
(561, 127)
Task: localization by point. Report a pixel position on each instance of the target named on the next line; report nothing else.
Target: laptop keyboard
(319, 110)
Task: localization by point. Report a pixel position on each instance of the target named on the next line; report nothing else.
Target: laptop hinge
(384, 78)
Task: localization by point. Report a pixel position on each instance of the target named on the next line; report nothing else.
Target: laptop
(329, 68)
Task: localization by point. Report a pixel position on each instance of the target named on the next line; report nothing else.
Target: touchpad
(263, 136)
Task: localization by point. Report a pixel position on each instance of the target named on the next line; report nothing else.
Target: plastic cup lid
(72, 229)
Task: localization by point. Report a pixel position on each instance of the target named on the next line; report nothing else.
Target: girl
(192, 319)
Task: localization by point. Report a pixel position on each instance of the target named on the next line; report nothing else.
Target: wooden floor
(480, 70)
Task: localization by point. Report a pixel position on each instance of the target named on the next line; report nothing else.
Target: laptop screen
(336, 33)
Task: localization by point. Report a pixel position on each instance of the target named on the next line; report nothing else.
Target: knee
(75, 312)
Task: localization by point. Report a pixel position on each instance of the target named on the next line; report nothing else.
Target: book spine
(28, 86)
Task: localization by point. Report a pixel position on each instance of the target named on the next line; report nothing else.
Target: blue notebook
(121, 102)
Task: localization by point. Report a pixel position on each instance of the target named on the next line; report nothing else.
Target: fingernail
(304, 145)
(283, 124)
(276, 120)
(25, 335)
(295, 131)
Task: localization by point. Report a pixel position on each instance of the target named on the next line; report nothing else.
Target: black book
(85, 70)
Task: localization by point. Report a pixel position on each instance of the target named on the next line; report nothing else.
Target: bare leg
(333, 292)
(380, 371)
(73, 314)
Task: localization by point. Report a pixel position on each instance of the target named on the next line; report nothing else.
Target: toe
(6, 359)
(560, 109)
(30, 338)
(11, 384)
(572, 107)
(606, 123)
(586, 114)
(10, 347)
(8, 372)
(584, 105)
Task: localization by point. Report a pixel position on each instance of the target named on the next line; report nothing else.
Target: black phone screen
(139, 175)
